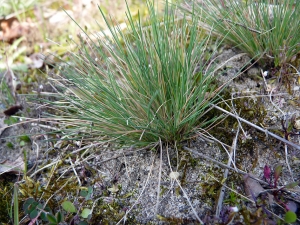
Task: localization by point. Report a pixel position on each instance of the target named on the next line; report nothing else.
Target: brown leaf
(12, 82)
(253, 189)
(13, 110)
(37, 60)
(15, 166)
(2, 125)
(12, 29)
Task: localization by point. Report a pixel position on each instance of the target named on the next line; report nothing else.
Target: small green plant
(265, 28)
(35, 210)
(279, 192)
(142, 85)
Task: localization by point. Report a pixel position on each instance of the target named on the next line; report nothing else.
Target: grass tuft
(261, 28)
(141, 84)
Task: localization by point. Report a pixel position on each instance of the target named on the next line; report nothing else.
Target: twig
(187, 198)
(36, 160)
(223, 165)
(140, 195)
(159, 177)
(287, 161)
(222, 191)
(75, 172)
(242, 25)
(259, 128)
(248, 199)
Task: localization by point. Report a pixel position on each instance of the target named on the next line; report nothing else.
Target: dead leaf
(13, 110)
(12, 29)
(6, 26)
(297, 124)
(2, 125)
(12, 82)
(9, 166)
(37, 60)
(253, 189)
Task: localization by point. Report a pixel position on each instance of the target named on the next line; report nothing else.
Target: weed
(279, 192)
(62, 200)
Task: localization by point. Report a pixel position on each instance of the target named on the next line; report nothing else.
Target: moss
(111, 212)
(253, 110)
(210, 187)
(176, 221)
(6, 186)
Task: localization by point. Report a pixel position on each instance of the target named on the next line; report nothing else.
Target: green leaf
(277, 172)
(59, 217)
(11, 120)
(68, 206)
(25, 138)
(290, 217)
(82, 223)
(83, 193)
(90, 192)
(259, 16)
(34, 213)
(51, 218)
(22, 143)
(27, 204)
(16, 204)
(292, 185)
(47, 210)
(31, 207)
(144, 87)
(87, 193)
(85, 213)
(10, 145)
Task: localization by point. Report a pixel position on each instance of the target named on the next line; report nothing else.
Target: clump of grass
(143, 84)
(265, 28)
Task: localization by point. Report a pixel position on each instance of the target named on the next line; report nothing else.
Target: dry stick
(242, 25)
(183, 191)
(188, 200)
(159, 177)
(259, 128)
(223, 165)
(36, 161)
(248, 199)
(141, 193)
(75, 172)
(285, 147)
(222, 191)
(287, 162)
